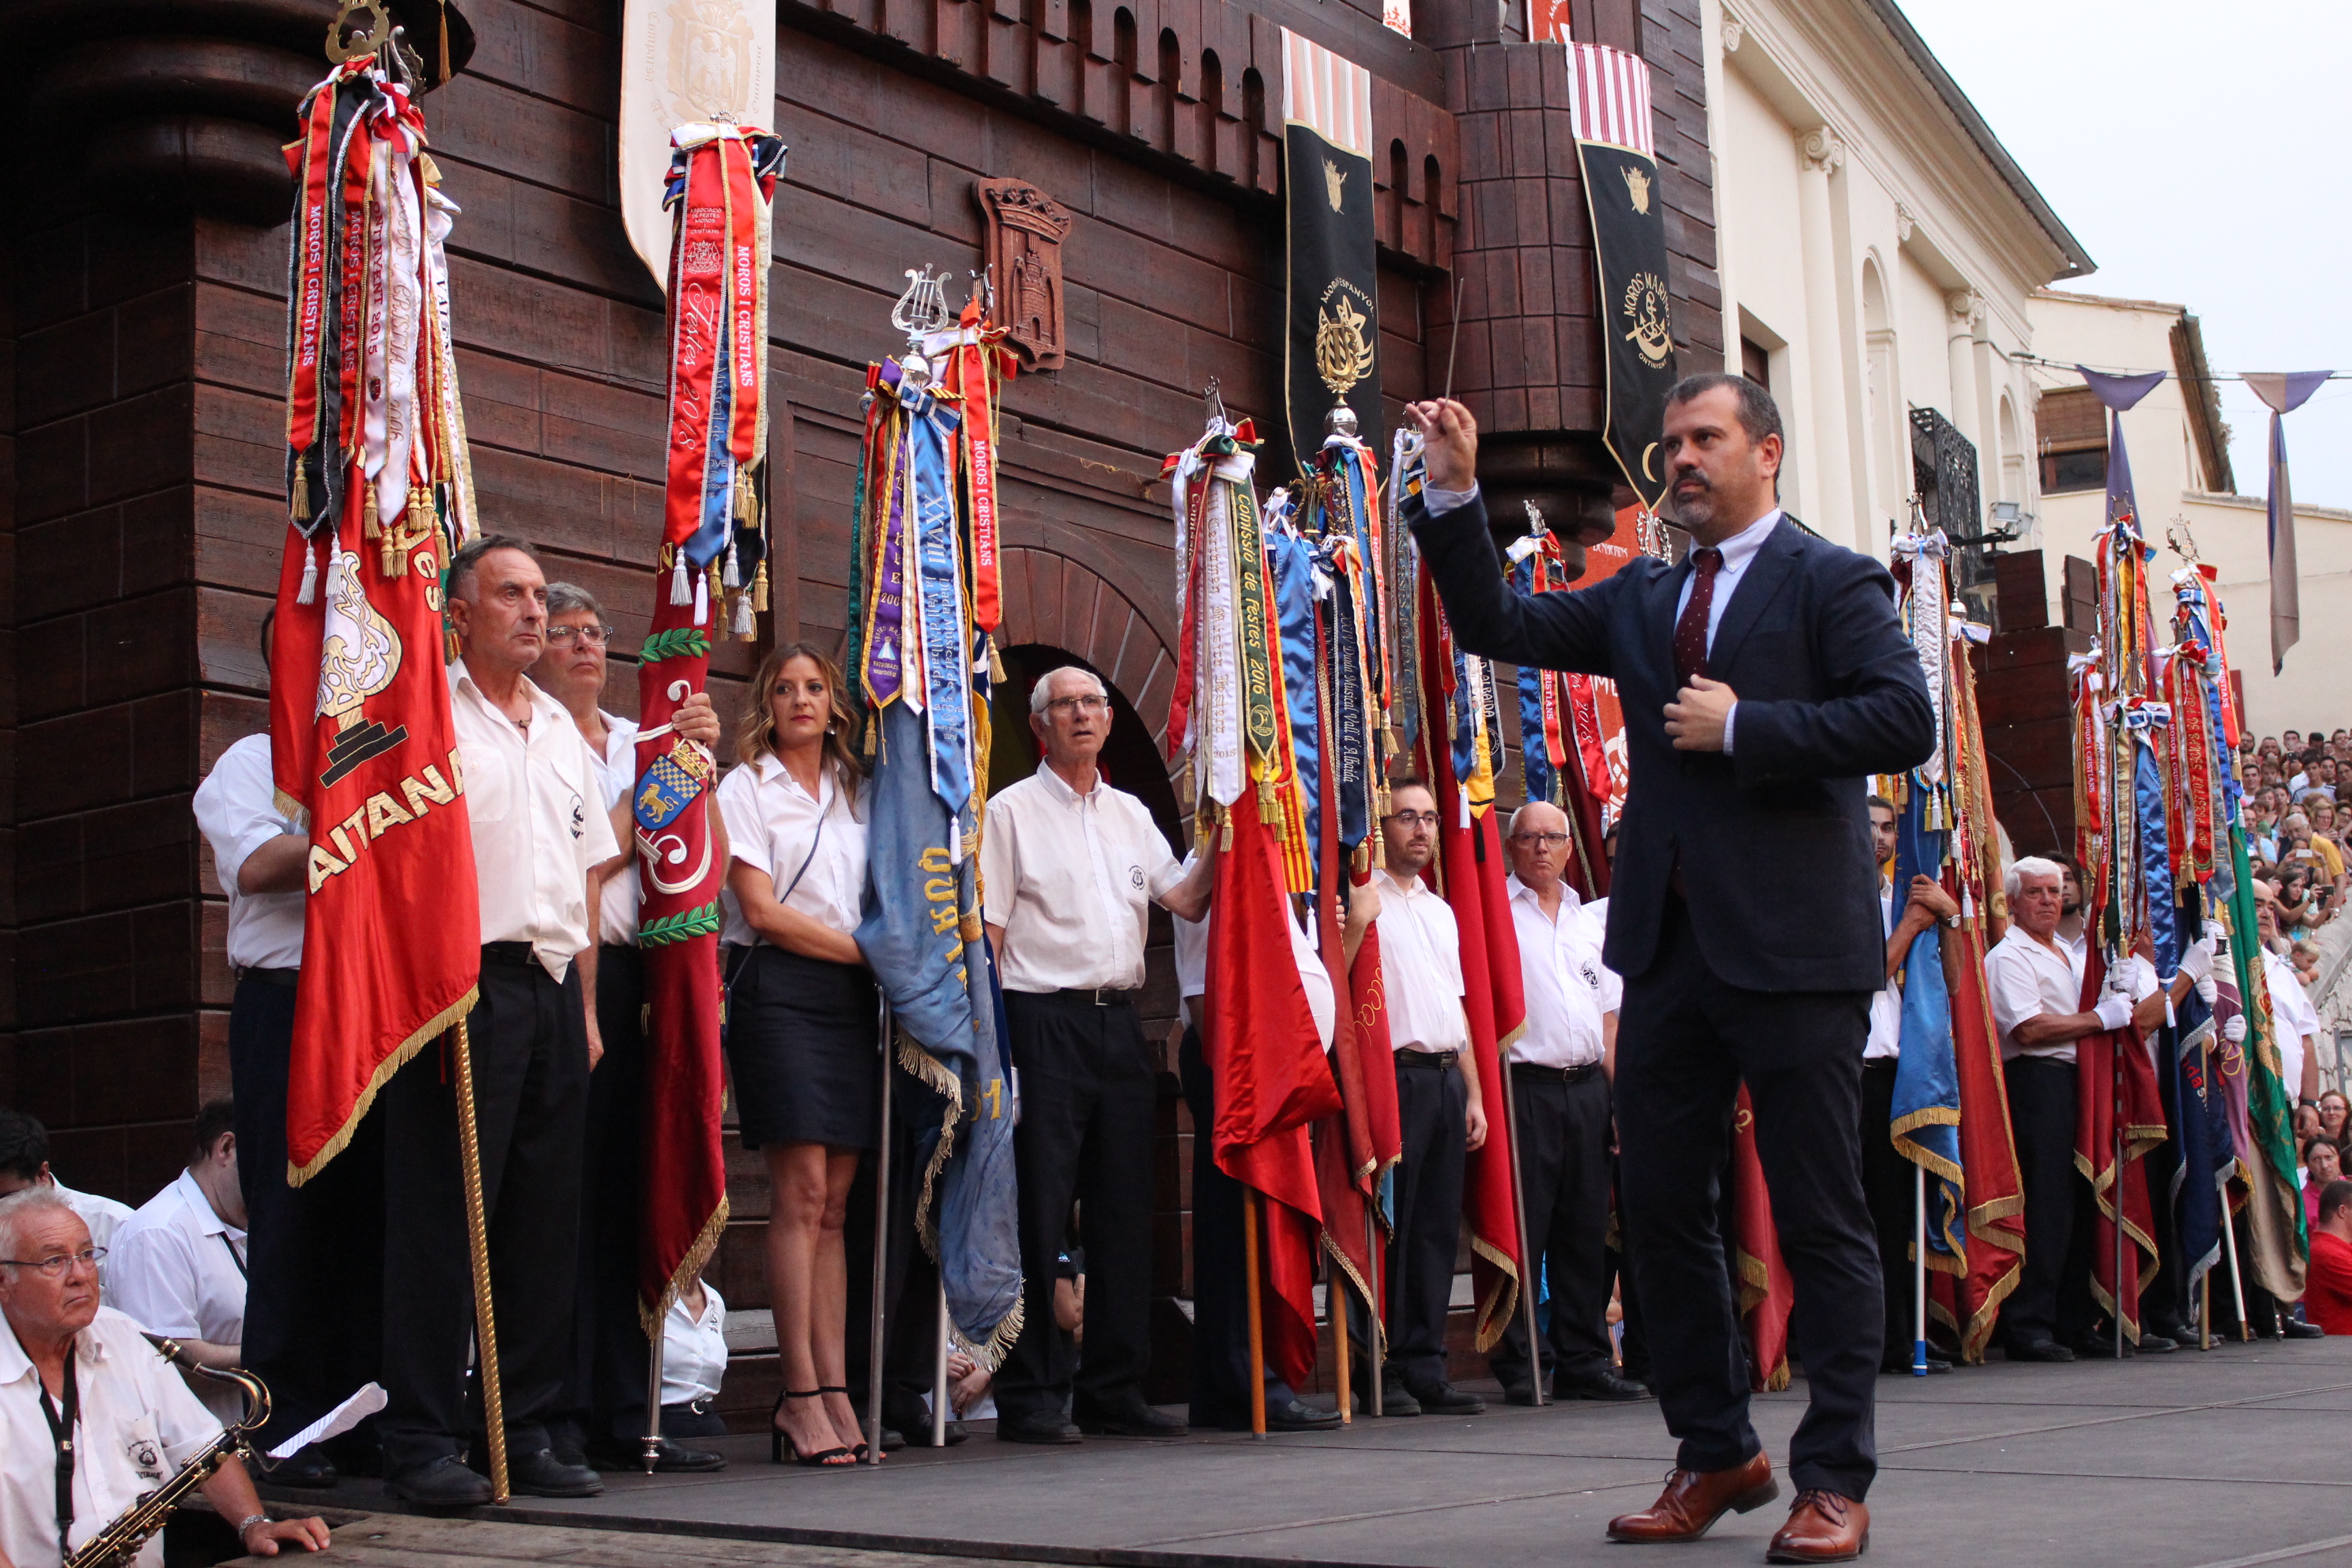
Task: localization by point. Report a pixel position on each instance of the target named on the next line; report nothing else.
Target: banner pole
(652, 1455)
(478, 1237)
(1919, 1272)
(1527, 1269)
(1335, 1303)
(2116, 1049)
(940, 1374)
(881, 1255)
(1376, 1322)
(1257, 1317)
(2205, 1311)
(2237, 1280)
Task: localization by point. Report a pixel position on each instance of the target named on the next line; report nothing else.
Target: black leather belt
(1868, 1063)
(285, 978)
(508, 953)
(1566, 1075)
(1095, 996)
(1425, 1059)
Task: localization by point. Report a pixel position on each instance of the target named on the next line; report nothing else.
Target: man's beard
(2069, 908)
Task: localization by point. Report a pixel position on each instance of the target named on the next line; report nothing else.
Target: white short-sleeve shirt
(694, 1348)
(616, 775)
(2027, 980)
(1070, 879)
(1569, 989)
(1886, 1007)
(771, 827)
(1420, 967)
(177, 1269)
(2293, 1017)
(534, 796)
(236, 811)
(139, 1424)
(1305, 950)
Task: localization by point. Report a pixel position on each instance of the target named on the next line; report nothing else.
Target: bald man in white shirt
(542, 842)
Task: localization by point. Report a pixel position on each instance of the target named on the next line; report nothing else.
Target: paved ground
(2225, 1460)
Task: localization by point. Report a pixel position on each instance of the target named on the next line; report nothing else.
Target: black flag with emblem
(1331, 349)
(1627, 201)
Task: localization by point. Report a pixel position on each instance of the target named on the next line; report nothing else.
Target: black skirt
(801, 1045)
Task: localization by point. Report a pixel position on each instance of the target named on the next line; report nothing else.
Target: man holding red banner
(1763, 679)
(542, 841)
(1439, 1108)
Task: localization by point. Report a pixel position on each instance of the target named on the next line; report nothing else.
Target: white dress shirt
(1886, 1006)
(771, 827)
(2293, 1017)
(139, 1425)
(533, 794)
(1305, 950)
(1569, 989)
(236, 811)
(694, 1348)
(616, 775)
(1069, 877)
(2027, 980)
(1738, 552)
(177, 1269)
(1420, 967)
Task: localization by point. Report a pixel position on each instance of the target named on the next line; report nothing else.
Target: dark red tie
(1690, 632)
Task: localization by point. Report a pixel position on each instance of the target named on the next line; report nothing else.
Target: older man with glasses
(90, 1416)
(1559, 1071)
(1070, 867)
(603, 1417)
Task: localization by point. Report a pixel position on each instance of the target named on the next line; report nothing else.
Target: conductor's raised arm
(1489, 617)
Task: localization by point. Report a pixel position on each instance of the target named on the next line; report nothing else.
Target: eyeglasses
(1090, 706)
(1414, 818)
(565, 636)
(50, 1268)
(1541, 840)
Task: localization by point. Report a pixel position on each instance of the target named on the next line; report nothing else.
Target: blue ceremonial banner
(1926, 1121)
(947, 691)
(923, 937)
(1293, 614)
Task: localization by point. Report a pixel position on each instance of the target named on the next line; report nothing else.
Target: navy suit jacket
(1773, 840)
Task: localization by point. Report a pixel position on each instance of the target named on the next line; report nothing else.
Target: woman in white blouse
(801, 1021)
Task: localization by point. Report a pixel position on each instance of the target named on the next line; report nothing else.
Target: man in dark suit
(1762, 679)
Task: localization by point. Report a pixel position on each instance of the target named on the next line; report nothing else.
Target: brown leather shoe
(1694, 1500)
(1822, 1528)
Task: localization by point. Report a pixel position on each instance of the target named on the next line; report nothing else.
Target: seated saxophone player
(90, 1415)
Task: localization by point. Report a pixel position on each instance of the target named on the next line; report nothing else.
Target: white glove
(2198, 963)
(2113, 1012)
(2234, 1031)
(2216, 937)
(2207, 992)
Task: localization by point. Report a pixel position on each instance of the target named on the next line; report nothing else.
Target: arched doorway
(1131, 757)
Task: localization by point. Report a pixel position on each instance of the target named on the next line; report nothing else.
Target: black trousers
(530, 1047)
(1686, 1041)
(605, 1390)
(1089, 1095)
(1563, 1143)
(2052, 1299)
(1221, 1361)
(1431, 1103)
(1890, 1186)
(314, 1254)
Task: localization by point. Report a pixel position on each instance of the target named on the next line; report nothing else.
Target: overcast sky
(2198, 152)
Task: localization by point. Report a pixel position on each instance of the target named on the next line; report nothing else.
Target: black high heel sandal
(859, 1453)
(777, 1437)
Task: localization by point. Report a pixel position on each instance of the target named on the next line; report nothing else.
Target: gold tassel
(760, 588)
(871, 724)
(995, 664)
(371, 527)
(301, 507)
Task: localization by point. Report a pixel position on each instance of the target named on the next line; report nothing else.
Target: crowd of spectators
(2296, 833)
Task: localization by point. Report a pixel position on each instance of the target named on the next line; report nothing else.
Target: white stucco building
(1880, 254)
(2181, 475)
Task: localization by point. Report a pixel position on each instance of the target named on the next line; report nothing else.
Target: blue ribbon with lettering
(947, 702)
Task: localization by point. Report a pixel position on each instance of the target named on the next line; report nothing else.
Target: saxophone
(120, 1541)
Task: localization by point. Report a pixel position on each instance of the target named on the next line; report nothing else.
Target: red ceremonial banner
(1767, 1293)
(1259, 1041)
(1469, 870)
(2096, 1060)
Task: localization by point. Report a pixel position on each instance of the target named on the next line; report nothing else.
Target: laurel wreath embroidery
(679, 642)
(683, 926)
